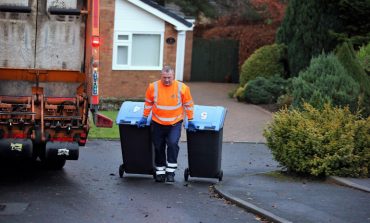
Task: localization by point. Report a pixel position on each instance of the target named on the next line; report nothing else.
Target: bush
(347, 57)
(265, 91)
(307, 38)
(239, 93)
(267, 61)
(328, 24)
(331, 141)
(284, 101)
(231, 93)
(325, 81)
(363, 55)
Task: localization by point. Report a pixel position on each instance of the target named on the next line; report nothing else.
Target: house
(138, 37)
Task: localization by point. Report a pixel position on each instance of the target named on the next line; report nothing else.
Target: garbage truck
(49, 78)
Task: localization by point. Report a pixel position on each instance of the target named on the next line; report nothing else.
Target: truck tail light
(95, 41)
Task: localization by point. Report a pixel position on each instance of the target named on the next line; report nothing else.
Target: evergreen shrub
(240, 92)
(306, 38)
(363, 55)
(321, 142)
(325, 81)
(347, 57)
(266, 61)
(285, 100)
(265, 90)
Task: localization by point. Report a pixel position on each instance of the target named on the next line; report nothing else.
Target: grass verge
(105, 133)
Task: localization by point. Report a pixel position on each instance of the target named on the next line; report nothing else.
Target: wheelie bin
(205, 144)
(136, 143)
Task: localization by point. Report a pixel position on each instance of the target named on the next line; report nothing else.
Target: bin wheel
(186, 174)
(121, 170)
(220, 175)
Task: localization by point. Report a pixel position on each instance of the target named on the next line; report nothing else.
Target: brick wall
(126, 84)
(188, 55)
(169, 53)
(106, 37)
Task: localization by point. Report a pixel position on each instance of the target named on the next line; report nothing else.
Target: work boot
(170, 177)
(160, 178)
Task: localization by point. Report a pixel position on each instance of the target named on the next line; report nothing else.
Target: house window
(138, 51)
(122, 55)
(122, 37)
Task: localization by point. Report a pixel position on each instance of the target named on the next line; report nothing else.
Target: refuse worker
(169, 100)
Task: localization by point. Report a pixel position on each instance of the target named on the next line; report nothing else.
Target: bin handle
(62, 11)
(12, 8)
(210, 127)
(124, 122)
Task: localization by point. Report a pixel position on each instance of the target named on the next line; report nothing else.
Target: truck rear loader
(49, 73)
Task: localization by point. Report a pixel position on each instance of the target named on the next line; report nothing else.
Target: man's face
(167, 78)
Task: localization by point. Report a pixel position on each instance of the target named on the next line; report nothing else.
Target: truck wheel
(186, 174)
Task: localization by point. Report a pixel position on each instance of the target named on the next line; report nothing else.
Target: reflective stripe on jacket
(168, 103)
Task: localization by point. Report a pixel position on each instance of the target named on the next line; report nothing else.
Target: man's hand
(142, 122)
(191, 127)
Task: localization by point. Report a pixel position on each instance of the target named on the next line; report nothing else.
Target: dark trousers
(166, 146)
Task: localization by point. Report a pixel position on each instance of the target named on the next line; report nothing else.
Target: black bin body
(204, 153)
(136, 143)
(137, 150)
(205, 144)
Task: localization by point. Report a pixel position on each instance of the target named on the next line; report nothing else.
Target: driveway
(244, 122)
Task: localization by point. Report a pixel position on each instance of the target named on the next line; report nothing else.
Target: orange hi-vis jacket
(168, 103)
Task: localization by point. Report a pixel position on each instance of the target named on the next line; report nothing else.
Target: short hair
(168, 69)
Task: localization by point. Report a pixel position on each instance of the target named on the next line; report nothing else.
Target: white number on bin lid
(203, 115)
(136, 108)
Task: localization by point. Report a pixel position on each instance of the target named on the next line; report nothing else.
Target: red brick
(127, 84)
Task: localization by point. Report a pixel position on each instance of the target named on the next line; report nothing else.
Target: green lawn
(105, 133)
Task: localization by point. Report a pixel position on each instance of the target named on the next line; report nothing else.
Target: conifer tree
(311, 27)
(305, 31)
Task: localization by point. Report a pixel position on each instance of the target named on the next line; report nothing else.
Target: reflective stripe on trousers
(160, 170)
(166, 145)
(171, 167)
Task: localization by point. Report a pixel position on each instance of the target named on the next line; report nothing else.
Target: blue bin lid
(130, 113)
(208, 117)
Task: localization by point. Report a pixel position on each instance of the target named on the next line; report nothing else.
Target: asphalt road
(90, 190)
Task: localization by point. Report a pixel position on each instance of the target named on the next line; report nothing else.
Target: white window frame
(128, 43)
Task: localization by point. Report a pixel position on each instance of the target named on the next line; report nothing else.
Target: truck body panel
(17, 31)
(60, 39)
(49, 70)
